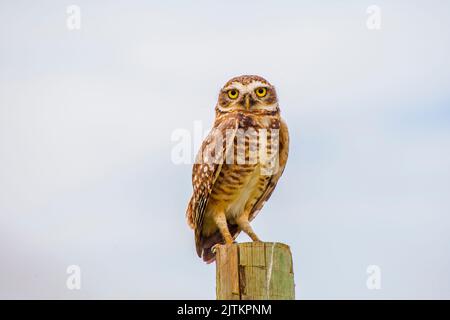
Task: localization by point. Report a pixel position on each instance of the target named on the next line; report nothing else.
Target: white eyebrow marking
(246, 88)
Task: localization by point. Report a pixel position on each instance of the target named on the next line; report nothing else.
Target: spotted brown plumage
(238, 165)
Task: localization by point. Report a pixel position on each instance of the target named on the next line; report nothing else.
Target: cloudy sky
(87, 116)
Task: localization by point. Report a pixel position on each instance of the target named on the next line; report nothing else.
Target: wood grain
(254, 271)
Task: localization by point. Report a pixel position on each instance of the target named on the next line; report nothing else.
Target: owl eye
(261, 92)
(233, 93)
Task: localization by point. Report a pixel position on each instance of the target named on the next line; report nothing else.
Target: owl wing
(283, 156)
(205, 171)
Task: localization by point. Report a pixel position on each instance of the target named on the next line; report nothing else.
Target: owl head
(247, 93)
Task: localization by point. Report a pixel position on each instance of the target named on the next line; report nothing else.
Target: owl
(238, 165)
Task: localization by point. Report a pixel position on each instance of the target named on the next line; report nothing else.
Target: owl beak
(247, 102)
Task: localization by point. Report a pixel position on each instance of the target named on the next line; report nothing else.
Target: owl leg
(244, 225)
(221, 222)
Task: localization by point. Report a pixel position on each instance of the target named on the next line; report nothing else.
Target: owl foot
(214, 247)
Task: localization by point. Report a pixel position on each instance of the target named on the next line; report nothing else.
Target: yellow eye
(261, 92)
(233, 93)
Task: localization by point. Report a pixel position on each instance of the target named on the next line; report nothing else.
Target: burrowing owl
(238, 165)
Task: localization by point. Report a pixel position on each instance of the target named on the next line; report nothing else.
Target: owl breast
(240, 185)
(247, 192)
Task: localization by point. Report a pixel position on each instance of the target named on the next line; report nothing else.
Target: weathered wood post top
(254, 271)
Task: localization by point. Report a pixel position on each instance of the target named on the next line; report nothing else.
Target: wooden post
(254, 271)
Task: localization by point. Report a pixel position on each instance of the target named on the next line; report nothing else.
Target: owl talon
(214, 248)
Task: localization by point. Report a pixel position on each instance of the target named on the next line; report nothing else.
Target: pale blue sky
(86, 119)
